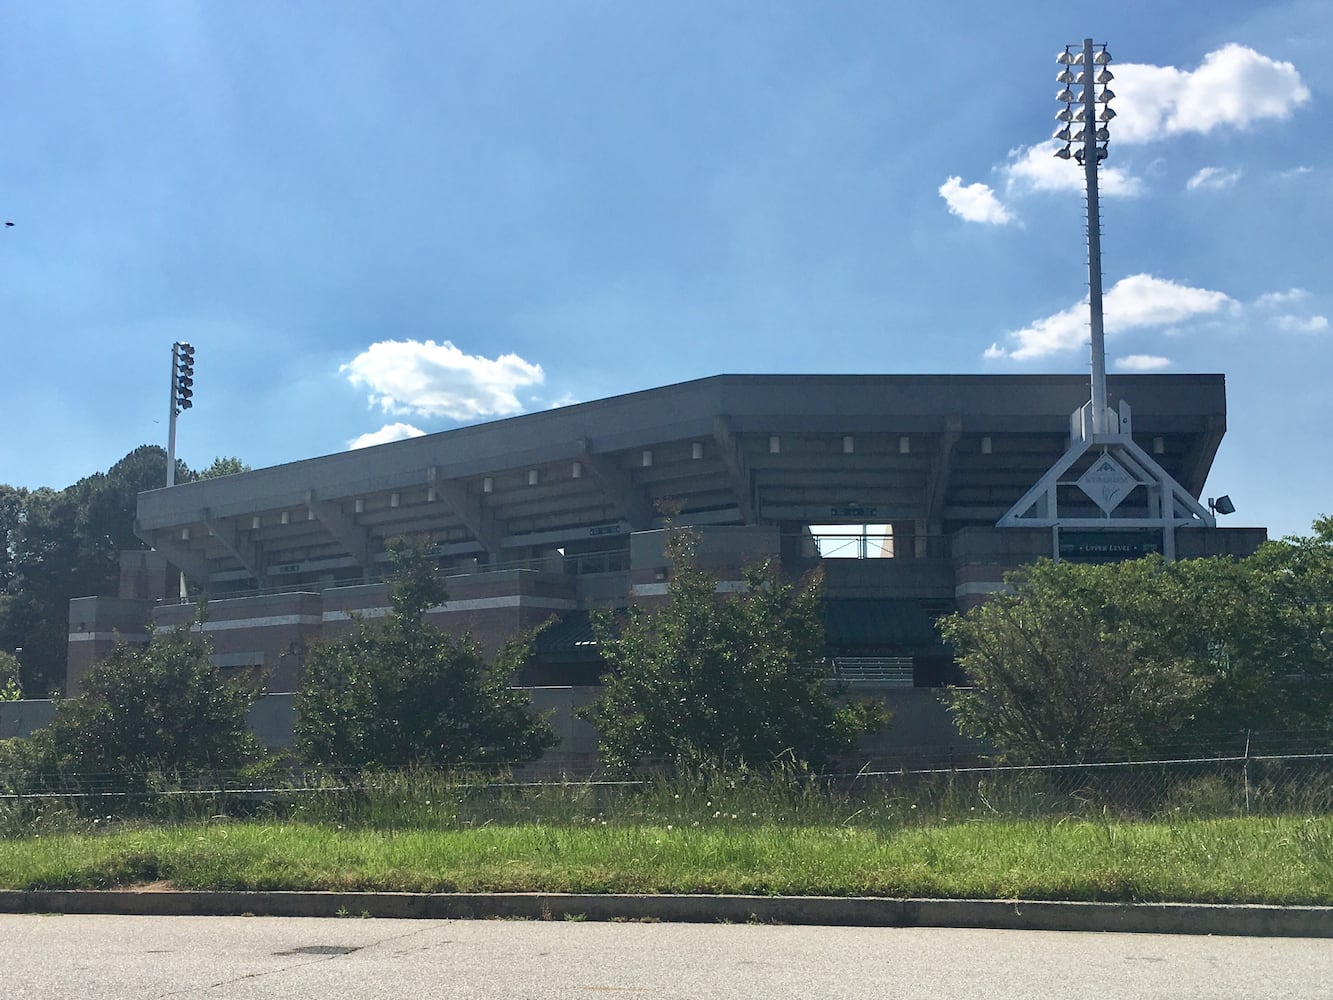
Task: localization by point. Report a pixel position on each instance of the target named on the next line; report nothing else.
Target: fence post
(1247, 772)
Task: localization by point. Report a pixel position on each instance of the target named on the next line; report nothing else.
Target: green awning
(572, 637)
(899, 626)
(851, 625)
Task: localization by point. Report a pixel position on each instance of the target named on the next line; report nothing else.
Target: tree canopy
(10, 690)
(399, 691)
(59, 544)
(715, 679)
(1074, 660)
(222, 466)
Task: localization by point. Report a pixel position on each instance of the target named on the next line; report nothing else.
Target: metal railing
(856, 546)
(894, 671)
(579, 564)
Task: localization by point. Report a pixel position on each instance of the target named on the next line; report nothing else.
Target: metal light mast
(1103, 463)
(1092, 138)
(182, 378)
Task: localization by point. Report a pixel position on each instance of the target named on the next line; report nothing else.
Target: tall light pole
(182, 379)
(1083, 125)
(1103, 462)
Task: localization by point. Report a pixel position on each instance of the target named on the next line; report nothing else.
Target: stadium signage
(1108, 546)
(853, 510)
(1107, 483)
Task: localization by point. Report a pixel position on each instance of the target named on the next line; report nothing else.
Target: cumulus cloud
(1234, 87)
(1037, 168)
(1141, 363)
(1136, 302)
(1212, 179)
(974, 202)
(1287, 321)
(387, 433)
(1276, 299)
(434, 380)
(1302, 324)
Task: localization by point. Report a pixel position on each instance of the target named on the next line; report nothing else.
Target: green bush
(400, 692)
(151, 710)
(723, 680)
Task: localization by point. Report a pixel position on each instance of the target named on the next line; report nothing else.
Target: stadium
(914, 493)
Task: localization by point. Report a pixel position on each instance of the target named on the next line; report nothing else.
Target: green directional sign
(1108, 546)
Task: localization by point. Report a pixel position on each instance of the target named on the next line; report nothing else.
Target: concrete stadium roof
(940, 451)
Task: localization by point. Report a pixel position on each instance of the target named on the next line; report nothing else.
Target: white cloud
(1272, 299)
(1212, 179)
(1142, 363)
(1289, 322)
(1234, 87)
(1302, 324)
(974, 202)
(387, 433)
(1136, 302)
(568, 399)
(432, 380)
(1037, 168)
(1294, 172)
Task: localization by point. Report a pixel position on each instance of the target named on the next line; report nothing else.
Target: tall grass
(1268, 860)
(1076, 834)
(436, 800)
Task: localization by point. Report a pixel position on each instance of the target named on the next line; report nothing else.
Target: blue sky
(381, 219)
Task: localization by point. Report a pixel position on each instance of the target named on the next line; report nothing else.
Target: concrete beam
(629, 498)
(194, 566)
(474, 514)
(941, 468)
(354, 539)
(245, 552)
(729, 448)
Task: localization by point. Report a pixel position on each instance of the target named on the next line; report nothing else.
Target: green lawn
(1252, 859)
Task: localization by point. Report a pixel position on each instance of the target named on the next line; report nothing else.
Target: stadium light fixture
(1095, 428)
(182, 398)
(1089, 147)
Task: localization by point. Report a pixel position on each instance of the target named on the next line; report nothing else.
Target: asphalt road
(105, 957)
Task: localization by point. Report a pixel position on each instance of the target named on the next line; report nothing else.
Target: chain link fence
(1293, 777)
(1207, 787)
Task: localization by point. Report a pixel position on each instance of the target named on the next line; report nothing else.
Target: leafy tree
(1294, 579)
(46, 572)
(722, 680)
(160, 707)
(59, 544)
(222, 466)
(1062, 668)
(1075, 660)
(399, 691)
(10, 689)
(63, 544)
(12, 504)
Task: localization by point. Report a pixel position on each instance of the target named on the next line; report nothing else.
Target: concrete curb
(861, 911)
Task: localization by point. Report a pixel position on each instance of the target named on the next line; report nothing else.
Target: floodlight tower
(1092, 137)
(182, 379)
(1103, 462)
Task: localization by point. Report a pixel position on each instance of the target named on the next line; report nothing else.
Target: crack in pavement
(291, 966)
